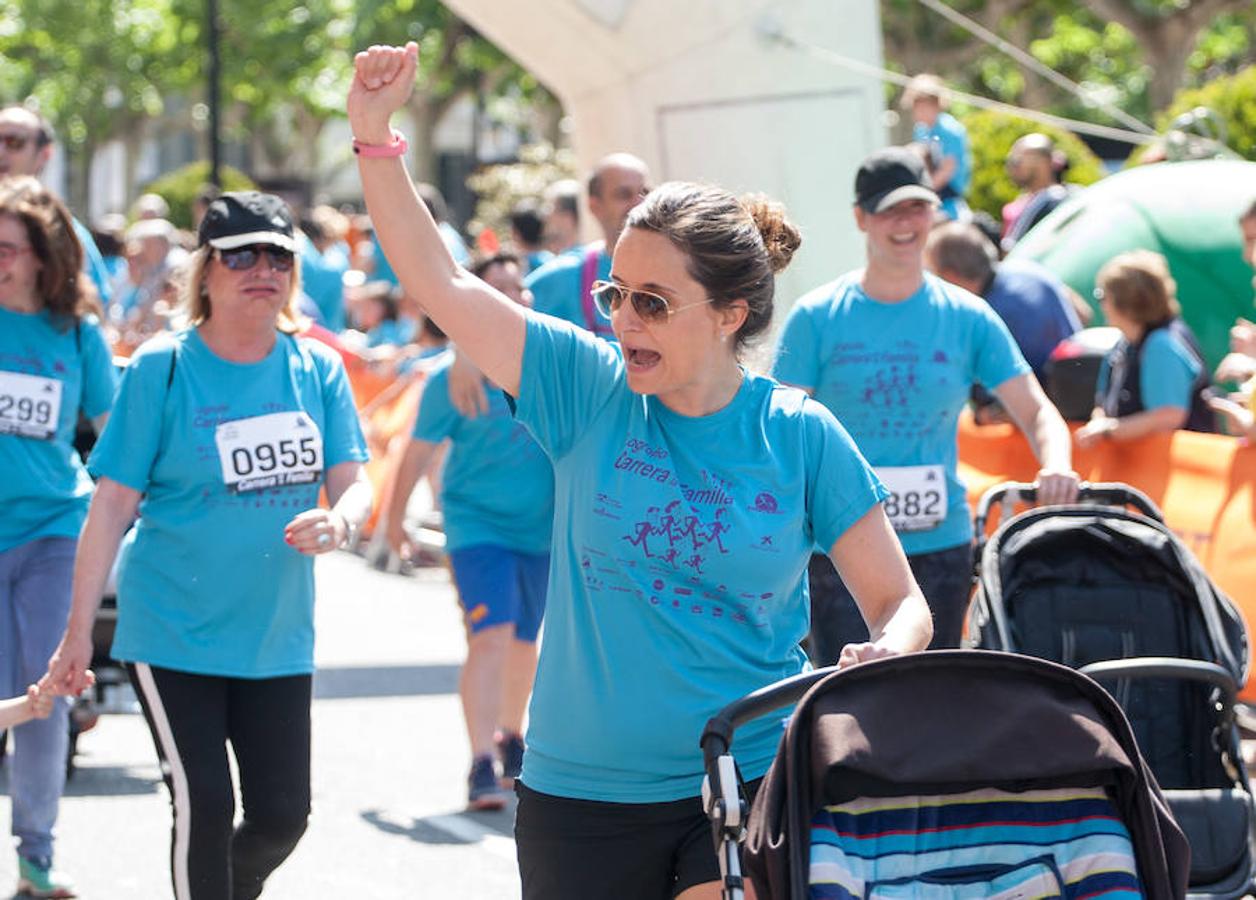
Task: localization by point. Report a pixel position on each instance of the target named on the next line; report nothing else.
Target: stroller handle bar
(1168, 667)
(1106, 493)
(717, 736)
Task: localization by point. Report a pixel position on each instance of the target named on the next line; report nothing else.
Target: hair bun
(780, 237)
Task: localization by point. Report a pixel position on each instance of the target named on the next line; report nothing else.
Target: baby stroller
(946, 775)
(1115, 594)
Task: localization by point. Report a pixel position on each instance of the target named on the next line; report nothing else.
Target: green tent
(1186, 210)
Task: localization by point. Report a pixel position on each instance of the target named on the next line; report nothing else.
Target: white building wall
(695, 90)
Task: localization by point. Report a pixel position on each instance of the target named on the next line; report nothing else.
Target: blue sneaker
(483, 789)
(37, 878)
(510, 750)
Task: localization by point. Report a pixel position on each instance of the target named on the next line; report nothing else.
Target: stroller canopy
(950, 722)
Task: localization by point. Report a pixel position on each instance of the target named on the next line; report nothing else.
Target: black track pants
(267, 724)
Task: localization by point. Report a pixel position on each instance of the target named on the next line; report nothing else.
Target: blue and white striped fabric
(1066, 843)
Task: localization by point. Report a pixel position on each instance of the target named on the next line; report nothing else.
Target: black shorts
(577, 849)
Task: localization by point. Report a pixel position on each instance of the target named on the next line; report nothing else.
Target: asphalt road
(390, 763)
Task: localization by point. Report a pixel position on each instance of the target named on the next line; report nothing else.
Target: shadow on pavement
(460, 828)
(348, 682)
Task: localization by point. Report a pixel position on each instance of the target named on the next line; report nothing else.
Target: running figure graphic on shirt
(694, 533)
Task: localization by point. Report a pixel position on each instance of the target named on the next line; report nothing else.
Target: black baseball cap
(240, 218)
(891, 176)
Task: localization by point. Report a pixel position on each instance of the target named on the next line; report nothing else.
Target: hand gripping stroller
(1116, 595)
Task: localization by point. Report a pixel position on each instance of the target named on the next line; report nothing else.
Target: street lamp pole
(215, 69)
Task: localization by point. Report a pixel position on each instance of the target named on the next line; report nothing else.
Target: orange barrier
(1203, 483)
(388, 427)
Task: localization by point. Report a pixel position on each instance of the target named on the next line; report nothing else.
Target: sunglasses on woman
(240, 259)
(651, 307)
(15, 142)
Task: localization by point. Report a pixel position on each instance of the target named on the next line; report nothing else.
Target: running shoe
(37, 878)
(483, 789)
(510, 751)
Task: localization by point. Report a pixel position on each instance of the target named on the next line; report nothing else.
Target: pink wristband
(397, 147)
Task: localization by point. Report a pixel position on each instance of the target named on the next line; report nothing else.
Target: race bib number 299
(917, 500)
(30, 405)
(269, 451)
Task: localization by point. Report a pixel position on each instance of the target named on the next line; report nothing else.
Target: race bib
(30, 405)
(917, 500)
(269, 451)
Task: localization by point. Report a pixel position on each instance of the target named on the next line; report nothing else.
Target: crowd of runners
(605, 461)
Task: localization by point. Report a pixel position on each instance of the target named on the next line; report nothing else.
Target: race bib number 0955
(917, 500)
(269, 451)
(30, 405)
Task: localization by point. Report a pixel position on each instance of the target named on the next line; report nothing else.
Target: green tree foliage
(1130, 53)
(104, 69)
(1233, 98)
(96, 68)
(992, 134)
(180, 187)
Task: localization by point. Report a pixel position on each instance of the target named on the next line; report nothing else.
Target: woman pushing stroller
(689, 493)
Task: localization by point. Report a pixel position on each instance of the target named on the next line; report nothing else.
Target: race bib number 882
(917, 500)
(269, 451)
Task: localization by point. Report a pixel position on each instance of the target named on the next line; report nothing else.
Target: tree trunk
(425, 113)
(1167, 40)
(81, 187)
(132, 143)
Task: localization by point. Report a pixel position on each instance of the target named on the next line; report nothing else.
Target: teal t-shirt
(208, 584)
(498, 485)
(951, 138)
(94, 263)
(391, 332)
(47, 375)
(1166, 374)
(897, 375)
(556, 288)
(678, 575)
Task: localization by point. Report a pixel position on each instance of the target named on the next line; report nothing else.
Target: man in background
(26, 142)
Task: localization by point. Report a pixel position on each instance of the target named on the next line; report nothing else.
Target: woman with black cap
(222, 436)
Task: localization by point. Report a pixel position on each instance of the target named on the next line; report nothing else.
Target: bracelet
(397, 147)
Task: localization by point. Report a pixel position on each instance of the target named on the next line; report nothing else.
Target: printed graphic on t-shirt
(673, 540)
(30, 405)
(269, 451)
(902, 392)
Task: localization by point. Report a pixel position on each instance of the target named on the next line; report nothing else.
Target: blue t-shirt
(1166, 374)
(897, 375)
(951, 139)
(1031, 302)
(498, 485)
(393, 332)
(94, 263)
(556, 288)
(47, 375)
(322, 278)
(536, 259)
(678, 575)
(449, 235)
(209, 585)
